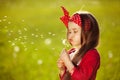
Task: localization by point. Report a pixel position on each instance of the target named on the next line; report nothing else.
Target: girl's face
(74, 34)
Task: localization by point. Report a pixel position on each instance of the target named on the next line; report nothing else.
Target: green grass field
(31, 37)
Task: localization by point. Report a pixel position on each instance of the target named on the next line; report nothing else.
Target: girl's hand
(64, 56)
(67, 62)
(61, 66)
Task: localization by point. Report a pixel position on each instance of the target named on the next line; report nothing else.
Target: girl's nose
(71, 36)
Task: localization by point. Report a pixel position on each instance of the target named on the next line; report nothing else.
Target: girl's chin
(75, 46)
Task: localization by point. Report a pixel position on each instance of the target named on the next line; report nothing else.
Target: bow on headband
(66, 18)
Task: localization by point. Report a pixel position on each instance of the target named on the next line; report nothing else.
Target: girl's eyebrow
(74, 29)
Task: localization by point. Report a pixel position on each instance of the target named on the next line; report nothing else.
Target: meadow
(32, 37)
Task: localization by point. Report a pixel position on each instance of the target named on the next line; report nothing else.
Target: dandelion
(64, 41)
(48, 41)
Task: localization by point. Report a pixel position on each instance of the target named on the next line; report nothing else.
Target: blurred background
(32, 37)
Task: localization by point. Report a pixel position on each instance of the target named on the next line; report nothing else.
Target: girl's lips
(70, 40)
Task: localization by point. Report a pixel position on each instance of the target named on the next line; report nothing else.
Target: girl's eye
(69, 32)
(75, 31)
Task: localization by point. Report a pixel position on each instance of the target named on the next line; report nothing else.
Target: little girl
(82, 61)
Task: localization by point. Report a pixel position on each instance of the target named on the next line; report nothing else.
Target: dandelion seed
(41, 36)
(39, 62)
(49, 33)
(24, 46)
(33, 34)
(25, 37)
(9, 34)
(16, 49)
(53, 34)
(53, 48)
(36, 49)
(5, 16)
(48, 41)
(9, 41)
(16, 39)
(36, 35)
(25, 29)
(32, 42)
(19, 31)
(36, 29)
(22, 42)
(113, 24)
(5, 26)
(13, 44)
(9, 22)
(11, 31)
(14, 55)
(110, 54)
(4, 19)
(20, 37)
(25, 49)
(23, 20)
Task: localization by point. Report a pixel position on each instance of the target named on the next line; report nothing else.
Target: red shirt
(87, 69)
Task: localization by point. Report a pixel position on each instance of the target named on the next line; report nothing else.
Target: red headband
(66, 18)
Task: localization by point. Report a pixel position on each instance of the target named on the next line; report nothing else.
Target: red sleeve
(87, 68)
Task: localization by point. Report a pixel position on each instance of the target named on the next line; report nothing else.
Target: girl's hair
(89, 38)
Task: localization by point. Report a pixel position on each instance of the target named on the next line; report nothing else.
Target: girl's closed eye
(75, 31)
(69, 32)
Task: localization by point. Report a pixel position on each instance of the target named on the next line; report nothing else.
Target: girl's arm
(67, 62)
